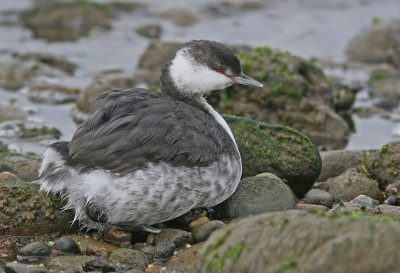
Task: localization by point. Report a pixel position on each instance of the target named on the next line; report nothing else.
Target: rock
(202, 232)
(390, 211)
(152, 31)
(370, 111)
(146, 249)
(135, 271)
(24, 166)
(10, 112)
(66, 246)
(67, 264)
(185, 258)
(301, 206)
(65, 20)
(164, 250)
(255, 195)
(198, 222)
(23, 268)
(90, 246)
(38, 132)
(343, 97)
(178, 16)
(52, 94)
(51, 60)
(295, 93)
(96, 250)
(262, 242)
(351, 184)
(280, 150)
(384, 165)
(365, 201)
(25, 212)
(392, 194)
(377, 43)
(133, 257)
(319, 197)
(179, 237)
(183, 221)
(118, 236)
(35, 249)
(385, 83)
(336, 162)
(8, 177)
(98, 264)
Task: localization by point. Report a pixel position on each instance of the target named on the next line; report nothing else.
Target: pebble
(37, 248)
(179, 237)
(164, 250)
(301, 206)
(364, 200)
(133, 257)
(198, 222)
(8, 176)
(319, 197)
(23, 268)
(97, 250)
(98, 264)
(118, 236)
(202, 232)
(66, 246)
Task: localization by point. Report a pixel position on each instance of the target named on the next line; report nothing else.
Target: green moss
(290, 264)
(378, 75)
(376, 20)
(354, 215)
(35, 67)
(384, 149)
(216, 243)
(217, 263)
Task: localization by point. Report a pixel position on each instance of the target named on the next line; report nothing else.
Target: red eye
(219, 70)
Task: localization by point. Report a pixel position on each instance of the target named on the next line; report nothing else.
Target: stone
(10, 112)
(319, 197)
(152, 31)
(179, 237)
(98, 264)
(178, 16)
(351, 184)
(185, 258)
(65, 20)
(299, 241)
(302, 206)
(377, 43)
(67, 264)
(91, 246)
(23, 268)
(96, 250)
(9, 177)
(336, 162)
(198, 222)
(365, 201)
(384, 165)
(66, 246)
(201, 233)
(384, 83)
(164, 250)
(52, 94)
(24, 166)
(285, 152)
(255, 195)
(35, 249)
(51, 60)
(348, 207)
(392, 194)
(390, 211)
(343, 97)
(118, 236)
(185, 220)
(135, 258)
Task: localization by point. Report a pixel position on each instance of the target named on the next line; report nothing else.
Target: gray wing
(137, 126)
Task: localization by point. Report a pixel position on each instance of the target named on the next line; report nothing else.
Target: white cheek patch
(192, 78)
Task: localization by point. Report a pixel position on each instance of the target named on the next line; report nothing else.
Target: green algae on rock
(295, 93)
(280, 150)
(384, 165)
(26, 212)
(298, 241)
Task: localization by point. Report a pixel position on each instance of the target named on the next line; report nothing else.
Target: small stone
(179, 237)
(66, 246)
(133, 257)
(98, 264)
(388, 210)
(164, 250)
(319, 197)
(145, 248)
(37, 248)
(198, 222)
(8, 176)
(117, 236)
(149, 30)
(301, 206)
(97, 250)
(23, 268)
(365, 201)
(202, 232)
(135, 271)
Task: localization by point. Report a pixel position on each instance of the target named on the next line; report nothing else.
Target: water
(308, 28)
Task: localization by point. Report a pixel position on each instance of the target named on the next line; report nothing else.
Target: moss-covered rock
(298, 241)
(65, 20)
(295, 93)
(276, 149)
(385, 83)
(24, 166)
(26, 212)
(384, 165)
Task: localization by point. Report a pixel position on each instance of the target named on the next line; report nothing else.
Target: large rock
(351, 184)
(336, 162)
(255, 195)
(297, 241)
(276, 149)
(376, 43)
(65, 20)
(385, 83)
(384, 165)
(24, 166)
(295, 93)
(25, 212)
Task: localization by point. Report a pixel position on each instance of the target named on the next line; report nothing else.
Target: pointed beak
(245, 80)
